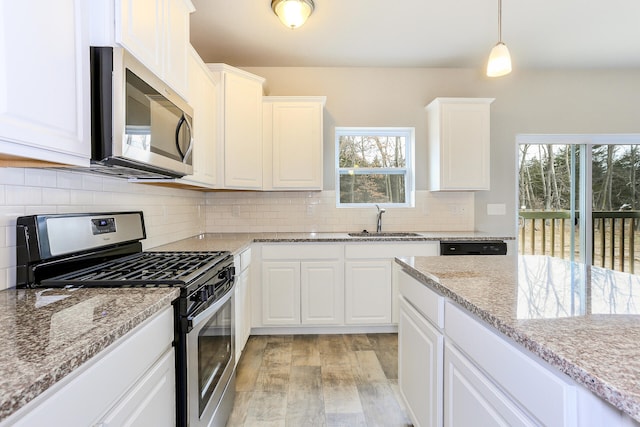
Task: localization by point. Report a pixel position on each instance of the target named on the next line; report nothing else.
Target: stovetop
(144, 269)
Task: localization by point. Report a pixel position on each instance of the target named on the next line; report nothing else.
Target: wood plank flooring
(319, 380)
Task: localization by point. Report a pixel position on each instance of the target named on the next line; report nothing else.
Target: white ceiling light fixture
(499, 59)
(292, 13)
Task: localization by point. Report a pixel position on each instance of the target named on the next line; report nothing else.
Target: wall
(170, 214)
(533, 101)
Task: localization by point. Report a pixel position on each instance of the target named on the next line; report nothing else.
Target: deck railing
(615, 236)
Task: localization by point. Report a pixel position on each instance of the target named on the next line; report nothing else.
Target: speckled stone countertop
(47, 333)
(584, 321)
(237, 242)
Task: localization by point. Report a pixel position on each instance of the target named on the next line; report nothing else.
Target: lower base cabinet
(151, 402)
(472, 399)
(420, 358)
(368, 292)
(242, 302)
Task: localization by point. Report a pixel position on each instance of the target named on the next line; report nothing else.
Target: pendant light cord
(500, 21)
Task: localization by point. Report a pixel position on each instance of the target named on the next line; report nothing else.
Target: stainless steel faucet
(379, 225)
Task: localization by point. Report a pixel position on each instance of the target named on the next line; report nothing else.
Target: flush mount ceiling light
(499, 59)
(292, 13)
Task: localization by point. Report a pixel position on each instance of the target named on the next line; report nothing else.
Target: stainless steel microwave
(140, 128)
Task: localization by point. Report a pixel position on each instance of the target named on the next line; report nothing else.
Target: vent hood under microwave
(140, 128)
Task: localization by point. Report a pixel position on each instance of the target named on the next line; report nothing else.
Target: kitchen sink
(384, 234)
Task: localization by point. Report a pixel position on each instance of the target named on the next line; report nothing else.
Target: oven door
(211, 364)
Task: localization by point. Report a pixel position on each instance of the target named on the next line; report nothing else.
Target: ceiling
(421, 33)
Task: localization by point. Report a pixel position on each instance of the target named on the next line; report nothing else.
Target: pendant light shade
(499, 59)
(292, 13)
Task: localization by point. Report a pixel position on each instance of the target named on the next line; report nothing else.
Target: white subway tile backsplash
(316, 212)
(13, 176)
(170, 214)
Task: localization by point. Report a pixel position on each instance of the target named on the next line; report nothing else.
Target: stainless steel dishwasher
(473, 247)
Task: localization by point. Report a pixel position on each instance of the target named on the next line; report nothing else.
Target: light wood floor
(319, 380)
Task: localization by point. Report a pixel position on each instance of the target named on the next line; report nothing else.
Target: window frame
(409, 170)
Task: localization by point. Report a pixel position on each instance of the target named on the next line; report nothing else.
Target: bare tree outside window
(373, 165)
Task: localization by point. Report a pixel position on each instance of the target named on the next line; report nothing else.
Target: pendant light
(499, 59)
(292, 13)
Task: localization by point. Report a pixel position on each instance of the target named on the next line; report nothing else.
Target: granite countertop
(584, 321)
(47, 333)
(237, 242)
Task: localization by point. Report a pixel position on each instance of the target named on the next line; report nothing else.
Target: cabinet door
(470, 398)
(459, 143)
(139, 30)
(203, 97)
(151, 402)
(368, 292)
(242, 132)
(322, 293)
(280, 293)
(297, 145)
(44, 87)
(420, 364)
(176, 45)
(242, 312)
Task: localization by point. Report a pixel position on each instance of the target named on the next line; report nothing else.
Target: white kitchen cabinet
(133, 379)
(472, 399)
(368, 272)
(321, 293)
(156, 32)
(546, 396)
(420, 366)
(307, 292)
(242, 301)
(368, 292)
(302, 284)
(152, 400)
(239, 148)
(281, 293)
(203, 96)
(292, 142)
(459, 144)
(44, 90)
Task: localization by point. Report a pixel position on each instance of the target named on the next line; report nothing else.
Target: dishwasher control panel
(473, 247)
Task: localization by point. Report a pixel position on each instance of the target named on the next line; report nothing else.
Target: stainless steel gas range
(105, 250)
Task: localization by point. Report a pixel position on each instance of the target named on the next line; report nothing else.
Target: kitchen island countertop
(583, 321)
(48, 333)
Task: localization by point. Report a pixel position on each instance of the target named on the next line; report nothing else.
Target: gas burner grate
(143, 269)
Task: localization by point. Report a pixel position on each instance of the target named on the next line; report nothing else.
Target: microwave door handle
(180, 123)
(190, 147)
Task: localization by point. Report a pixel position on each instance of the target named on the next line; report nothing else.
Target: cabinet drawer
(422, 298)
(542, 392)
(302, 251)
(390, 250)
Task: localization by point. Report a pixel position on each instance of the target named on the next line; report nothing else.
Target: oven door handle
(194, 321)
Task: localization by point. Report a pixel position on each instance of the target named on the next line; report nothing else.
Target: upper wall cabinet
(203, 95)
(239, 148)
(459, 143)
(292, 142)
(156, 32)
(44, 84)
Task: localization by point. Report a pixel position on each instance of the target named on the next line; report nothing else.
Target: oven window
(214, 352)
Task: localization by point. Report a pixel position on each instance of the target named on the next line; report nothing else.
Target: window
(579, 198)
(374, 166)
